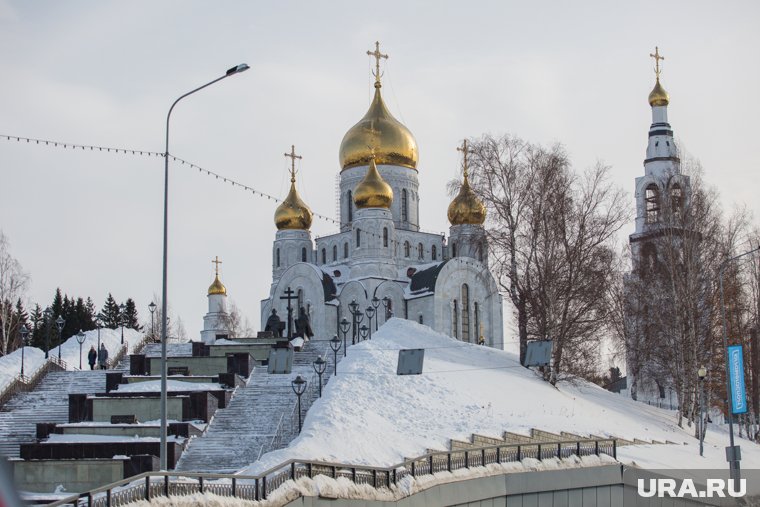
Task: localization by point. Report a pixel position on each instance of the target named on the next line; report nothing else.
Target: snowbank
(10, 365)
(154, 386)
(370, 416)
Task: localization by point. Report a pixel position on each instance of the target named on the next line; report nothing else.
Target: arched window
(434, 253)
(277, 258)
(476, 313)
(420, 251)
(335, 253)
(676, 200)
(385, 236)
(407, 249)
(465, 313)
(455, 320)
(324, 256)
(652, 199)
(303, 254)
(453, 250)
(300, 301)
(404, 206)
(358, 238)
(345, 250)
(648, 258)
(350, 207)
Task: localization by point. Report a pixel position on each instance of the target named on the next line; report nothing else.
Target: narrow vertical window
(324, 256)
(465, 313)
(350, 207)
(385, 236)
(420, 251)
(676, 200)
(303, 255)
(455, 320)
(476, 312)
(358, 238)
(652, 198)
(335, 253)
(453, 250)
(404, 206)
(407, 249)
(434, 253)
(277, 257)
(345, 250)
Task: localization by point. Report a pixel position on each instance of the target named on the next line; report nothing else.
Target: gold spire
(466, 208)
(293, 213)
(373, 191)
(217, 287)
(396, 144)
(658, 96)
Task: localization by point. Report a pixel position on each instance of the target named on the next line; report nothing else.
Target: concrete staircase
(259, 418)
(48, 402)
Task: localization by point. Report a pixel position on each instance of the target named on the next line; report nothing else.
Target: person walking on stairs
(92, 356)
(103, 357)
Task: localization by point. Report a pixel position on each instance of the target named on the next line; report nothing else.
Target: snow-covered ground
(154, 386)
(369, 415)
(34, 358)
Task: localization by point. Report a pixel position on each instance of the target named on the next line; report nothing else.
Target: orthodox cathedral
(379, 263)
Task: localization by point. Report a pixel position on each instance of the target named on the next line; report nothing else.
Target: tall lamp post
(99, 324)
(353, 308)
(363, 332)
(733, 455)
(48, 319)
(320, 365)
(299, 386)
(701, 373)
(231, 72)
(152, 308)
(375, 305)
(24, 332)
(335, 346)
(344, 329)
(80, 340)
(60, 322)
(122, 320)
(370, 311)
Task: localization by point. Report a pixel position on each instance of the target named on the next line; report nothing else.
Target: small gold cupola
(396, 144)
(466, 208)
(217, 287)
(293, 213)
(658, 96)
(373, 191)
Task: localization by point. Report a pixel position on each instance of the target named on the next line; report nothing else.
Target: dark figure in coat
(274, 324)
(303, 325)
(103, 357)
(92, 357)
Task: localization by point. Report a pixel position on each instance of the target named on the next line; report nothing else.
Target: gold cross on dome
(378, 55)
(465, 150)
(217, 262)
(657, 59)
(292, 156)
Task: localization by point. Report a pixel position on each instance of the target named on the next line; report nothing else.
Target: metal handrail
(27, 383)
(258, 487)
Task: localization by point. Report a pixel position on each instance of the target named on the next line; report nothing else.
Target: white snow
(154, 386)
(55, 438)
(369, 415)
(34, 358)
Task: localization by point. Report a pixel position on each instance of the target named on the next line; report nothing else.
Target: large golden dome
(658, 96)
(466, 208)
(217, 287)
(373, 191)
(394, 144)
(293, 213)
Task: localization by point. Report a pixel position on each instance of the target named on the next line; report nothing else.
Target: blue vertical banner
(736, 377)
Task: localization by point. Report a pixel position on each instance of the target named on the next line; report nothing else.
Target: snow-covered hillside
(369, 415)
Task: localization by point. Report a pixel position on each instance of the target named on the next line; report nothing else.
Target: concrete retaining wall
(75, 475)
(146, 409)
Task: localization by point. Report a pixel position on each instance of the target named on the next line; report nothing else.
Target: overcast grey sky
(106, 72)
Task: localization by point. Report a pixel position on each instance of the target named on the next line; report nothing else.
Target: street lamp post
(370, 311)
(732, 453)
(320, 365)
(99, 324)
(363, 331)
(80, 340)
(122, 320)
(299, 386)
(24, 332)
(60, 322)
(701, 373)
(234, 70)
(48, 313)
(152, 308)
(335, 346)
(375, 305)
(344, 329)
(353, 308)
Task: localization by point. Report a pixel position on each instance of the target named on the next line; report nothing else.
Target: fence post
(264, 487)
(578, 448)
(539, 452)
(395, 477)
(431, 464)
(519, 453)
(559, 450)
(353, 475)
(374, 478)
(147, 488)
(413, 469)
(614, 449)
(89, 499)
(467, 459)
(498, 454)
(596, 447)
(293, 470)
(200, 483)
(256, 489)
(483, 457)
(234, 486)
(448, 461)
(335, 472)
(310, 468)
(108, 497)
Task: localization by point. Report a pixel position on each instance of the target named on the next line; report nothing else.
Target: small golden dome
(373, 191)
(466, 208)
(658, 96)
(217, 287)
(293, 213)
(394, 144)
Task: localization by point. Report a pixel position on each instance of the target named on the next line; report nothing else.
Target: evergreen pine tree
(91, 312)
(70, 325)
(35, 323)
(57, 306)
(22, 319)
(131, 320)
(111, 313)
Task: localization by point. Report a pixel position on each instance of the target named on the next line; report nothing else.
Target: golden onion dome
(293, 213)
(373, 191)
(217, 287)
(658, 96)
(466, 208)
(393, 143)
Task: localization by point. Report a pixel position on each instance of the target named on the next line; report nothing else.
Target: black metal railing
(27, 383)
(258, 487)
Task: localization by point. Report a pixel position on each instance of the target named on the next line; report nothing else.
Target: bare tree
(13, 284)
(236, 324)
